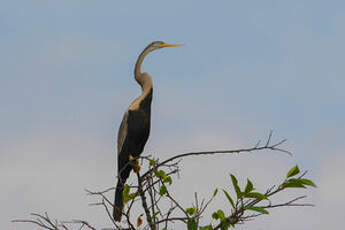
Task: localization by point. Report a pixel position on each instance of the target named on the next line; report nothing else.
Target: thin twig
(272, 147)
(144, 204)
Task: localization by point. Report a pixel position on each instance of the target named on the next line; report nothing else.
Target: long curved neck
(137, 69)
(143, 79)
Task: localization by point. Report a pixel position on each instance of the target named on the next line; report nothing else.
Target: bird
(135, 127)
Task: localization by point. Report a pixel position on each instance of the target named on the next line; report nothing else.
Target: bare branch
(45, 222)
(144, 204)
(267, 146)
(33, 222)
(269, 138)
(183, 219)
(84, 223)
(290, 203)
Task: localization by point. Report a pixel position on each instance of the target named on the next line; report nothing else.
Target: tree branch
(144, 204)
(267, 146)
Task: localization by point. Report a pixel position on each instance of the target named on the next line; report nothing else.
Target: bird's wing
(122, 134)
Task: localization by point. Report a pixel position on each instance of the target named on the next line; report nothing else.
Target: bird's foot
(135, 163)
(136, 166)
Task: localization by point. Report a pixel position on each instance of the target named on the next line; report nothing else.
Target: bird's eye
(161, 44)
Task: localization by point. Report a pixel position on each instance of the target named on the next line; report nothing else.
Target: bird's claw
(135, 163)
(136, 167)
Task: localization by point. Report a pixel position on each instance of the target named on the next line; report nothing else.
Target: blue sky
(66, 77)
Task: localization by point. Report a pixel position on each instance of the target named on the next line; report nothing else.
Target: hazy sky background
(66, 77)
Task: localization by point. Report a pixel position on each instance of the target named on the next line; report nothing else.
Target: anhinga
(135, 127)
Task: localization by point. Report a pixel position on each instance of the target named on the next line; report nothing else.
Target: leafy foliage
(192, 224)
(127, 196)
(296, 182)
(293, 171)
(236, 187)
(249, 187)
(191, 211)
(247, 199)
(163, 190)
(229, 198)
(256, 209)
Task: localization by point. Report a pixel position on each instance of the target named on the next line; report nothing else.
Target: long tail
(123, 175)
(118, 204)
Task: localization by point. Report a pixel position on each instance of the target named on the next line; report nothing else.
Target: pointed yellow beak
(170, 45)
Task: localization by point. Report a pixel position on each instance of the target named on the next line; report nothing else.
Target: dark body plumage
(135, 127)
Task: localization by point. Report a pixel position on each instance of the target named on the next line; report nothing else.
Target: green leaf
(163, 190)
(163, 175)
(215, 216)
(297, 183)
(155, 214)
(295, 180)
(168, 180)
(221, 214)
(292, 172)
(292, 184)
(229, 198)
(126, 189)
(207, 227)
(256, 195)
(160, 174)
(236, 187)
(249, 186)
(155, 171)
(152, 162)
(127, 198)
(224, 225)
(191, 211)
(256, 209)
(218, 215)
(164, 228)
(191, 224)
(125, 193)
(133, 195)
(215, 192)
(308, 182)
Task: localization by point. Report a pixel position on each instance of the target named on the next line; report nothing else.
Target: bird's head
(159, 44)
